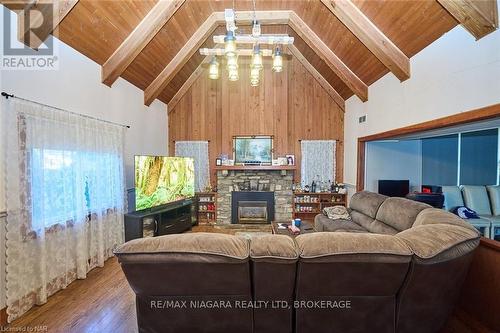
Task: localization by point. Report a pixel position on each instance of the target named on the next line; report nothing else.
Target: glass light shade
(254, 82)
(254, 73)
(233, 75)
(257, 60)
(213, 69)
(278, 63)
(230, 45)
(277, 60)
(232, 63)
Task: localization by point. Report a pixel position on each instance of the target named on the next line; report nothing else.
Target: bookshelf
(206, 208)
(307, 205)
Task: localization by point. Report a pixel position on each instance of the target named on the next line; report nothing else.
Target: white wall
(393, 160)
(77, 87)
(452, 75)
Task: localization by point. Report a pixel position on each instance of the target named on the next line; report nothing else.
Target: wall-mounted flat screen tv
(253, 150)
(160, 180)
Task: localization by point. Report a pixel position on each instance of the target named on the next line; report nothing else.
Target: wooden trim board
(485, 113)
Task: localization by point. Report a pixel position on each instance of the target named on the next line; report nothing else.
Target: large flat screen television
(160, 180)
(394, 188)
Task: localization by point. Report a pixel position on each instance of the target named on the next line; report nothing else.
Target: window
(440, 160)
(479, 158)
(68, 185)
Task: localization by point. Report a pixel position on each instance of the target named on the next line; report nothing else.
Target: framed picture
(253, 150)
(218, 161)
(290, 159)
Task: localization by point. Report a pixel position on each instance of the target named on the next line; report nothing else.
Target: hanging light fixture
(257, 58)
(213, 69)
(277, 61)
(232, 63)
(233, 74)
(254, 77)
(227, 46)
(230, 44)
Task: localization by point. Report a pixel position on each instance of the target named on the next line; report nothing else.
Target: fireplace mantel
(256, 167)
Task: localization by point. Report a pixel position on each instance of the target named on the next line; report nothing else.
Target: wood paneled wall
(291, 106)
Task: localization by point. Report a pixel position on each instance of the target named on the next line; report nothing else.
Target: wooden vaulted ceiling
(97, 28)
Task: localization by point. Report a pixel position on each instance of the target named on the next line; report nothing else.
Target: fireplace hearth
(252, 207)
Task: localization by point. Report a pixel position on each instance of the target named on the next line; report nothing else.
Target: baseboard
(3, 316)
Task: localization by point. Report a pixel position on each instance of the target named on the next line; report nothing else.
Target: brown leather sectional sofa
(398, 269)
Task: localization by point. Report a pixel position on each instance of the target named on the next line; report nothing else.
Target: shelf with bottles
(207, 207)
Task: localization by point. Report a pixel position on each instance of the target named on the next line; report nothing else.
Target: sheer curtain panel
(318, 159)
(65, 199)
(198, 150)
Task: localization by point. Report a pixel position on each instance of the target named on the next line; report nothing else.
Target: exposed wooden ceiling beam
(321, 80)
(197, 39)
(180, 59)
(145, 31)
(354, 83)
(374, 39)
(479, 17)
(189, 82)
(39, 19)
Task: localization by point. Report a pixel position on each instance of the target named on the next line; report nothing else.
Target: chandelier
(226, 46)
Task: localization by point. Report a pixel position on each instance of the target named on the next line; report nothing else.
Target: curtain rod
(7, 96)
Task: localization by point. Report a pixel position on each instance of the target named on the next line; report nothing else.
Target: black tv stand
(172, 218)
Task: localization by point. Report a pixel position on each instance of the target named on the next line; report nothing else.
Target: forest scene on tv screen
(160, 180)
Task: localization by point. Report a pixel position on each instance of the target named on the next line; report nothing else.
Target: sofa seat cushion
(273, 248)
(494, 194)
(345, 246)
(400, 213)
(367, 203)
(440, 241)
(372, 225)
(476, 198)
(201, 246)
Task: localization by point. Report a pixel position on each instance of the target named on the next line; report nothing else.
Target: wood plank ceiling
(97, 28)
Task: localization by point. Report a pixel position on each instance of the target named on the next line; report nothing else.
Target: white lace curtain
(199, 151)
(65, 199)
(318, 159)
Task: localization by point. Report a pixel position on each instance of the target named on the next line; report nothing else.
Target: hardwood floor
(103, 302)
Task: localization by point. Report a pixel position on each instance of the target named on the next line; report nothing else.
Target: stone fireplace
(254, 196)
(252, 207)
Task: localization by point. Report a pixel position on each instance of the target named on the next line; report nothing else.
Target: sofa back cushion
(452, 197)
(494, 194)
(362, 268)
(400, 213)
(367, 203)
(439, 216)
(274, 263)
(222, 261)
(185, 268)
(476, 198)
(434, 243)
(371, 224)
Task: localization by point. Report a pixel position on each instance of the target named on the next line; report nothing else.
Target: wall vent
(362, 119)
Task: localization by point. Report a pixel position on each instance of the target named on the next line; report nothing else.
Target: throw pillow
(337, 213)
(465, 213)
